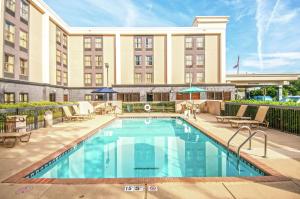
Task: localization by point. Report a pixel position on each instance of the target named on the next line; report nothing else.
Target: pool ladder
(251, 135)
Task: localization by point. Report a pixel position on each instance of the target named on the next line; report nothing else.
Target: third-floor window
(11, 5)
(149, 60)
(138, 42)
(98, 43)
(148, 43)
(200, 42)
(87, 43)
(24, 10)
(138, 60)
(23, 39)
(188, 42)
(9, 32)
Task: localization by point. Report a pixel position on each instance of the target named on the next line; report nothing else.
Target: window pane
(199, 77)
(188, 60)
(65, 77)
(149, 78)
(98, 61)
(23, 39)
(23, 67)
(87, 43)
(188, 77)
(24, 9)
(137, 78)
(58, 56)
(200, 42)
(58, 35)
(188, 42)
(65, 59)
(149, 60)
(11, 4)
(65, 40)
(9, 63)
(98, 43)
(99, 79)
(87, 61)
(149, 42)
(9, 32)
(200, 60)
(58, 76)
(138, 60)
(88, 78)
(138, 42)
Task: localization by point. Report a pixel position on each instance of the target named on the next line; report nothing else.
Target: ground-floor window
(9, 98)
(23, 97)
(186, 96)
(66, 98)
(88, 97)
(52, 97)
(128, 97)
(158, 97)
(219, 95)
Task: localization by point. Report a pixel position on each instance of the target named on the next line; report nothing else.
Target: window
(87, 61)
(87, 78)
(23, 97)
(188, 60)
(52, 97)
(11, 5)
(188, 77)
(58, 56)
(98, 61)
(137, 42)
(24, 10)
(137, 78)
(98, 43)
(200, 60)
(65, 78)
(23, 39)
(148, 78)
(88, 97)
(65, 59)
(138, 60)
(200, 42)
(87, 43)
(188, 42)
(149, 60)
(9, 32)
(65, 40)
(9, 63)
(58, 76)
(58, 35)
(99, 79)
(199, 77)
(9, 98)
(23, 67)
(149, 42)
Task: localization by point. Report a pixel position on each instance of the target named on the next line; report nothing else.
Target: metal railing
(241, 128)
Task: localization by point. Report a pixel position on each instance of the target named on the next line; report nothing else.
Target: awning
(104, 90)
(192, 90)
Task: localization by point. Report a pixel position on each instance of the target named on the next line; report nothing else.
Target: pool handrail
(241, 128)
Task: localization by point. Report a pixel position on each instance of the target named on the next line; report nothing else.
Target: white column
(45, 49)
(169, 58)
(280, 92)
(223, 56)
(118, 58)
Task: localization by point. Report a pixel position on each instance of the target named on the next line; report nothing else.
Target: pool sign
(140, 188)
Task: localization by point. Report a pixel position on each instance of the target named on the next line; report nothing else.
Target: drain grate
(145, 168)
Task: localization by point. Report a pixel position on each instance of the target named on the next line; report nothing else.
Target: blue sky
(264, 33)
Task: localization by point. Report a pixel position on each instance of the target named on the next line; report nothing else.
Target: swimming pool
(146, 148)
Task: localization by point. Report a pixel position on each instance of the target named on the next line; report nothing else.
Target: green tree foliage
(293, 88)
(269, 91)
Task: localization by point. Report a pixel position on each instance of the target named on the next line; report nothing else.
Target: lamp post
(107, 66)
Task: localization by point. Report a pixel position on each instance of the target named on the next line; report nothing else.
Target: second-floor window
(23, 67)
(149, 60)
(98, 43)
(65, 59)
(24, 10)
(65, 40)
(65, 78)
(98, 61)
(138, 42)
(188, 77)
(199, 77)
(137, 78)
(200, 42)
(88, 97)
(199, 60)
(23, 39)
(99, 79)
(149, 78)
(11, 5)
(87, 61)
(9, 62)
(58, 35)
(9, 32)
(188, 42)
(138, 60)
(188, 60)
(87, 43)
(58, 76)
(87, 78)
(149, 43)
(58, 56)
(9, 98)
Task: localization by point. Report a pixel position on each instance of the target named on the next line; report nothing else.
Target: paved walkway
(283, 156)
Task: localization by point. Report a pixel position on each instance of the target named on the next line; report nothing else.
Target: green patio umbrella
(191, 90)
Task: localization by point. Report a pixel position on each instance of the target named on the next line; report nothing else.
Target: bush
(32, 104)
(155, 106)
(265, 102)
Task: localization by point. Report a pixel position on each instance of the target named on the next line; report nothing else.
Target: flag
(238, 63)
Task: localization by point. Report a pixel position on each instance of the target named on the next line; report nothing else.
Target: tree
(293, 88)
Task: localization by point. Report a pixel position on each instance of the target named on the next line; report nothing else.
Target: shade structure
(104, 90)
(192, 90)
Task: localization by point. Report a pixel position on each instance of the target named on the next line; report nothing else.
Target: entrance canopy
(104, 90)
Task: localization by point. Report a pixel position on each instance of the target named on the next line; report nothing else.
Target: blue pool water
(156, 147)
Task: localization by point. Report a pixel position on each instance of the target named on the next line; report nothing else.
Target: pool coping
(20, 177)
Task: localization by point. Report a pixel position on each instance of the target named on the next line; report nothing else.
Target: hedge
(138, 107)
(33, 104)
(276, 103)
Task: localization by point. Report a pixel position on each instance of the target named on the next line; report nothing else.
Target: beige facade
(2, 8)
(35, 46)
(159, 59)
(212, 59)
(52, 53)
(109, 57)
(75, 61)
(178, 59)
(127, 67)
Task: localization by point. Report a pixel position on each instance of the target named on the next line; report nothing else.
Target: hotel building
(43, 58)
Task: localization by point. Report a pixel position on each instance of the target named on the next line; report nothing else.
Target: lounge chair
(239, 115)
(14, 136)
(77, 112)
(69, 116)
(259, 119)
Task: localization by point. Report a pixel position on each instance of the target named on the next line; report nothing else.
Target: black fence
(35, 115)
(283, 118)
(139, 107)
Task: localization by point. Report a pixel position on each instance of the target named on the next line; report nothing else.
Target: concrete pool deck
(283, 156)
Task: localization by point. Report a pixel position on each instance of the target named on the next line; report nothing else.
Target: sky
(264, 33)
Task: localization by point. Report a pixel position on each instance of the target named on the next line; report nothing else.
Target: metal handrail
(249, 138)
(241, 128)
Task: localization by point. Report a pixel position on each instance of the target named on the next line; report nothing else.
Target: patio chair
(239, 115)
(14, 136)
(77, 113)
(259, 119)
(69, 116)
